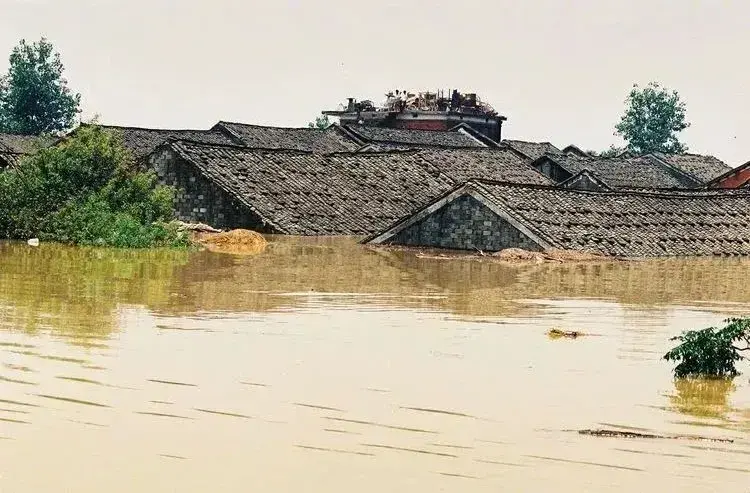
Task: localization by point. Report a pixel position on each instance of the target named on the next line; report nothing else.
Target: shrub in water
(711, 352)
(88, 191)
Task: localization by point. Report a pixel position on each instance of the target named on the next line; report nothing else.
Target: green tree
(34, 95)
(87, 191)
(711, 352)
(653, 117)
(320, 122)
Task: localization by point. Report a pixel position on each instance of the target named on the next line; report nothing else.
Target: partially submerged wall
(198, 199)
(464, 224)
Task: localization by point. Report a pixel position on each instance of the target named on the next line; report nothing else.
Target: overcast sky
(559, 70)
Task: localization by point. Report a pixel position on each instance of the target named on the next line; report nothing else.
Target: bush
(87, 191)
(711, 352)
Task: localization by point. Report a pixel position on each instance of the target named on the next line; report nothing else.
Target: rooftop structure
(439, 110)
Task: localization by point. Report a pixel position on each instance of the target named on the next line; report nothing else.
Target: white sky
(559, 70)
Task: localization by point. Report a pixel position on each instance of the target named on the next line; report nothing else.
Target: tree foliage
(653, 117)
(34, 95)
(86, 190)
(320, 122)
(711, 352)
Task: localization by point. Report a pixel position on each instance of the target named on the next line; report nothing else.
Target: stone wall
(198, 199)
(464, 224)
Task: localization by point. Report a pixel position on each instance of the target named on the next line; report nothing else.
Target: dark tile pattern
(413, 138)
(304, 193)
(630, 224)
(492, 164)
(533, 150)
(319, 141)
(638, 172)
(143, 141)
(702, 168)
(23, 144)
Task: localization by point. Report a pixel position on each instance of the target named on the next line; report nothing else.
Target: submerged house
(14, 147)
(491, 216)
(295, 192)
(290, 191)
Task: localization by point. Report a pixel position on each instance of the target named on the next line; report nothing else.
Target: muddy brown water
(320, 365)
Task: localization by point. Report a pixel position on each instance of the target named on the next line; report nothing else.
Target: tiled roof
(311, 194)
(143, 141)
(615, 223)
(8, 159)
(415, 138)
(630, 224)
(533, 150)
(574, 149)
(638, 172)
(493, 164)
(331, 139)
(23, 144)
(702, 168)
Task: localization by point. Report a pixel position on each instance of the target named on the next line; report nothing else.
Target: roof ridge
(649, 192)
(127, 127)
(254, 125)
(236, 146)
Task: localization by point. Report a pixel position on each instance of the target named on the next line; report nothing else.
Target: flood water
(322, 366)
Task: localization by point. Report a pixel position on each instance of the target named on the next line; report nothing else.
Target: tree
(87, 190)
(320, 122)
(711, 352)
(653, 118)
(34, 95)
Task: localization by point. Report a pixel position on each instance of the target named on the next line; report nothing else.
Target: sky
(558, 70)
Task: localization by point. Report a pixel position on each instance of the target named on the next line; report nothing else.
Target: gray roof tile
(321, 141)
(638, 172)
(311, 194)
(534, 150)
(629, 223)
(702, 168)
(414, 138)
(24, 144)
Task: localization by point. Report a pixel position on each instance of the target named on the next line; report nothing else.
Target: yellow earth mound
(549, 255)
(236, 241)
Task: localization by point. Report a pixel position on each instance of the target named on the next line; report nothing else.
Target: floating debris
(633, 434)
(569, 334)
(236, 241)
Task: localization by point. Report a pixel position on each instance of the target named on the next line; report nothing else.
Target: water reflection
(702, 398)
(339, 363)
(77, 291)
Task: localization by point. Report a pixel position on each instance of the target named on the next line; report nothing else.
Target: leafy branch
(711, 352)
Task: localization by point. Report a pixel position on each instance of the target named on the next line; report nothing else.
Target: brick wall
(464, 224)
(199, 200)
